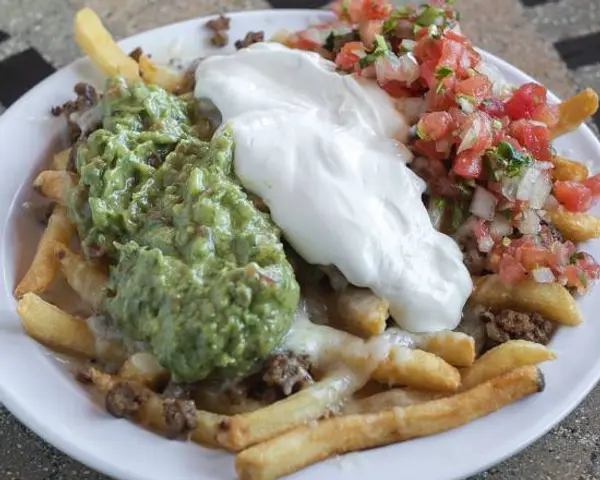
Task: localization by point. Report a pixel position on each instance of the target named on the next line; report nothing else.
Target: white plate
(43, 395)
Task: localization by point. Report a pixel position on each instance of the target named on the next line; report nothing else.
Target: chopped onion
(540, 191)
(483, 204)
(501, 227)
(500, 87)
(543, 275)
(390, 67)
(485, 244)
(412, 108)
(551, 203)
(464, 104)
(466, 229)
(469, 138)
(510, 187)
(529, 223)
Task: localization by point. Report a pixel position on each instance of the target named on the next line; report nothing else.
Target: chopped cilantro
(440, 74)
(458, 216)
(506, 241)
(582, 278)
(505, 160)
(381, 48)
(429, 16)
(420, 132)
(465, 188)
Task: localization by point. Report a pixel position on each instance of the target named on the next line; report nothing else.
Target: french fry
(142, 367)
(360, 312)
(397, 397)
(307, 445)
(54, 328)
(456, 348)
(574, 111)
(96, 42)
(417, 369)
(568, 170)
(43, 269)
(156, 413)
(577, 227)
(164, 77)
(61, 160)
(312, 403)
(551, 300)
(504, 358)
(55, 184)
(87, 278)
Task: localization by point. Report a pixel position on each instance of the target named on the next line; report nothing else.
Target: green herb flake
(506, 241)
(381, 48)
(458, 217)
(507, 160)
(429, 16)
(438, 202)
(582, 278)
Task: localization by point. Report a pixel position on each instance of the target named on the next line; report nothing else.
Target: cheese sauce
(323, 151)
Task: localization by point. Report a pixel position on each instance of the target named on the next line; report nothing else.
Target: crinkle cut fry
(307, 445)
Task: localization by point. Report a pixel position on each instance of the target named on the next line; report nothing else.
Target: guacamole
(197, 271)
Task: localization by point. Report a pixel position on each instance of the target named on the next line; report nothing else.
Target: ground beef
(549, 234)
(180, 416)
(436, 177)
(511, 325)
(136, 53)
(220, 39)
(287, 372)
(218, 24)
(474, 260)
(335, 43)
(250, 39)
(86, 99)
(125, 399)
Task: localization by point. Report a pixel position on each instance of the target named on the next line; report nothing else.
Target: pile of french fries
(422, 385)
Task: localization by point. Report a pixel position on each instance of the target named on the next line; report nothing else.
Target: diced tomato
(510, 270)
(349, 56)
(575, 196)
(468, 164)
(476, 133)
(428, 48)
(561, 254)
(481, 229)
(435, 125)
(547, 114)
(369, 30)
(376, 9)
(428, 149)
(593, 183)
(477, 87)
(451, 53)
(351, 12)
(457, 37)
(532, 256)
(493, 107)
(427, 74)
(397, 89)
(574, 277)
(443, 100)
(535, 138)
(586, 263)
(525, 100)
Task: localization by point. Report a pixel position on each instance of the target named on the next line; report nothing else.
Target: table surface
(556, 41)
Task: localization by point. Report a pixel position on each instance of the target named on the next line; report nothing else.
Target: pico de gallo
(482, 146)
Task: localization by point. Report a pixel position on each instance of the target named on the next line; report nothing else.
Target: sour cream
(322, 151)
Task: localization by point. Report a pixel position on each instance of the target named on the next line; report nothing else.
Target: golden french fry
(142, 367)
(360, 312)
(164, 77)
(168, 417)
(87, 278)
(96, 42)
(43, 269)
(61, 160)
(55, 328)
(417, 369)
(55, 184)
(309, 444)
(397, 397)
(456, 348)
(312, 403)
(577, 227)
(551, 300)
(568, 170)
(574, 111)
(504, 358)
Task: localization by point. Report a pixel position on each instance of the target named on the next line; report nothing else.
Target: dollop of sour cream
(323, 151)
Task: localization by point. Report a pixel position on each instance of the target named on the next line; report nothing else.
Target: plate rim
(69, 446)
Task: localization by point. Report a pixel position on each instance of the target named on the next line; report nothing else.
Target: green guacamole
(197, 271)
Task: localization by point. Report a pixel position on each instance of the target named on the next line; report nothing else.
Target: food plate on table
(150, 236)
